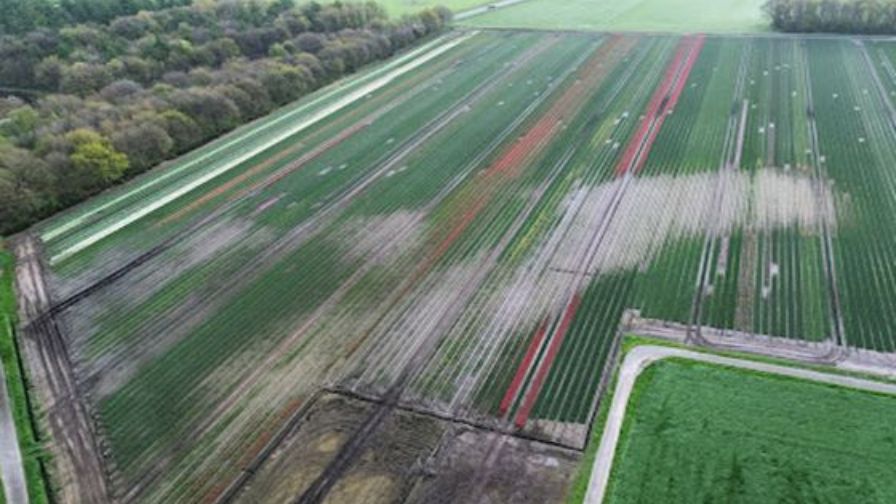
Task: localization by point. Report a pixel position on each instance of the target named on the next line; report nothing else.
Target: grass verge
(33, 454)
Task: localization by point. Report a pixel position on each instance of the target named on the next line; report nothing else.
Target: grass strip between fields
(33, 453)
(579, 488)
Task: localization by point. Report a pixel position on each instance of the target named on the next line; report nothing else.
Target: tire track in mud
(81, 470)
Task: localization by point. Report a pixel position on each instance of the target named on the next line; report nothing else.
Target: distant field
(701, 433)
(398, 7)
(679, 16)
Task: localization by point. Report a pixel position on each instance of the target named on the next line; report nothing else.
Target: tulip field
(460, 229)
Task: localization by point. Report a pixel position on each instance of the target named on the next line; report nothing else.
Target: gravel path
(643, 356)
(11, 472)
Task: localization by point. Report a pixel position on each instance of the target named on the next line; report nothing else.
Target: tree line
(114, 99)
(20, 16)
(872, 17)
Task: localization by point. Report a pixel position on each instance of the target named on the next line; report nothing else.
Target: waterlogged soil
(475, 466)
(384, 470)
(306, 451)
(410, 458)
(392, 463)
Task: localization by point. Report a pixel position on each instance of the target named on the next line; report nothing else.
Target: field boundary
(17, 390)
(80, 469)
(707, 34)
(642, 357)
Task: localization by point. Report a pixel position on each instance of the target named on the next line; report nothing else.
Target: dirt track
(643, 356)
(410, 457)
(77, 464)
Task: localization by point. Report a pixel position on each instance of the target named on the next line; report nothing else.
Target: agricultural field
(450, 239)
(696, 432)
(674, 16)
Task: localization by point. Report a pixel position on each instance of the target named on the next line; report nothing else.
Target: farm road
(11, 472)
(643, 356)
(77, 458)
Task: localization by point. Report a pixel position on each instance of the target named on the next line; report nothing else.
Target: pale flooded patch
(653, 210)
(619, 225)
(382, 237)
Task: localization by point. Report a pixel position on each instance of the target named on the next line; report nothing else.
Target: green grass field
(678, 16)
(701, 433)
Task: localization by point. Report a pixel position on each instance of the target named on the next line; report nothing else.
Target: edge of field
(630, 341)
(461, 27)
(33, 454)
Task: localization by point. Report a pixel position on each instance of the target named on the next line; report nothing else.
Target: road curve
(11, 472)
(643, 356)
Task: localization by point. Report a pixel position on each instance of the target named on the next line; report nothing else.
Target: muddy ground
(410, 457)
(476, 466)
